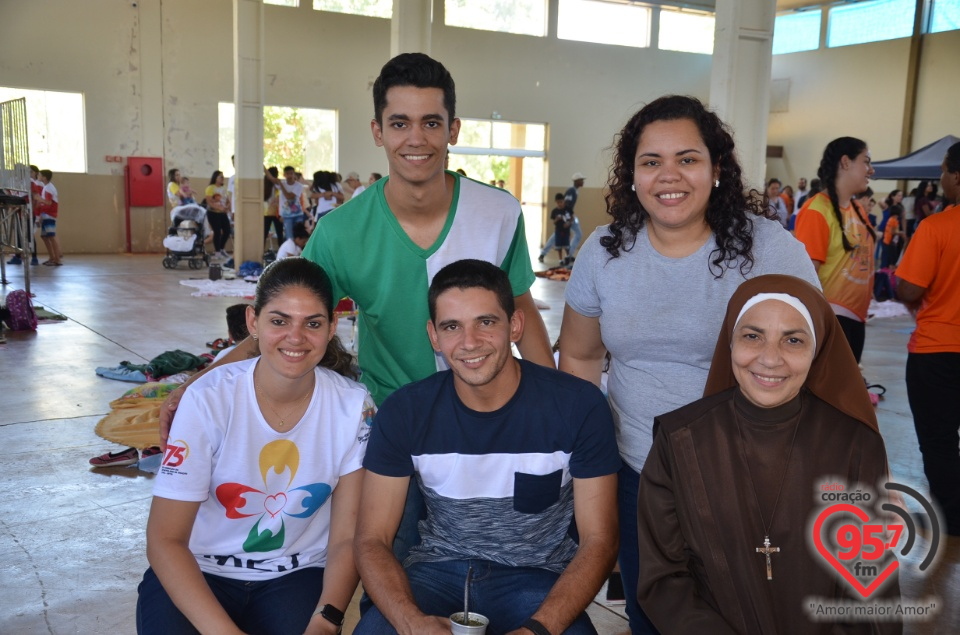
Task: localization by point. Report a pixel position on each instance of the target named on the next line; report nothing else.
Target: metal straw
(466, 596)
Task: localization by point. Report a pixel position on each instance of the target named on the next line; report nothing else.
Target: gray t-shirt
(660, 318)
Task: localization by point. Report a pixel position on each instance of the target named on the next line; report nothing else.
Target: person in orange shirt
(839, 238)
(929, 283)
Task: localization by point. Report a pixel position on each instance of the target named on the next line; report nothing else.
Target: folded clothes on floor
(122, 373)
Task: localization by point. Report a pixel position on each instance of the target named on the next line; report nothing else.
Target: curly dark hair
(729, 206)
(851, 148)
(300, 272)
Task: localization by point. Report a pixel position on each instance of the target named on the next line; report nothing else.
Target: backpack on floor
(22, 315)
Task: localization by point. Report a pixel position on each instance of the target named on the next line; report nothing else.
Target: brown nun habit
(724, 474)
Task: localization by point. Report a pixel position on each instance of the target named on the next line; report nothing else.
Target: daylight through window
(604, 22)
(870, 22)
(794, 32)
(305, 138)
(687, 31)
(55, 128)
(524, 17)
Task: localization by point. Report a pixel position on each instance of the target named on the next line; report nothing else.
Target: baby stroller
(184, 240)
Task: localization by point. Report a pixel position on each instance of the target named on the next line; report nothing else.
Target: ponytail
(827, 173)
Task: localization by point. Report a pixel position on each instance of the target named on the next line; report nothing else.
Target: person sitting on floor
(251, 527)
(507, 454)
(293, 246)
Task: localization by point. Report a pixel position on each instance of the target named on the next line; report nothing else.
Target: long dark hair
(305, 274)
(268, 184)
(851, 148)
(729, 206)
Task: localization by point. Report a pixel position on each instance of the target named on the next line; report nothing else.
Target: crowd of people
(46, 207)
(733, 392)
(287, 202)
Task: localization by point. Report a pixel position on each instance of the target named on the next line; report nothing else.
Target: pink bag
(23, 317)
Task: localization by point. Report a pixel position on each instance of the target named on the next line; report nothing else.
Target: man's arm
(581, 347)
(910, 294)
(595, 510)
(381, 508)
(534, 343)
(245, 349)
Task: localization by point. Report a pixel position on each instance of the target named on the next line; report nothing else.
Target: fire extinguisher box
(145, 181)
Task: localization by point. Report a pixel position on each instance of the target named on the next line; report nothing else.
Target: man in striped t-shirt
(517, 464)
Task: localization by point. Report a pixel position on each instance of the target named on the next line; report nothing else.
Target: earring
(254, 336)
(633, 188)
(716, 183)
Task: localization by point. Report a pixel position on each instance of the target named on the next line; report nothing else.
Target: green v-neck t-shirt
(370, 259)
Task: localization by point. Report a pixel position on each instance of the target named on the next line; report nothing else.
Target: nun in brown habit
(784, 409)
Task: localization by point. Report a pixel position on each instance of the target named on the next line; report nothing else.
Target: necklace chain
(783, 475)
(272, 409)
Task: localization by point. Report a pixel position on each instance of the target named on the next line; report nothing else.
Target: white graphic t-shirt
(264, 494)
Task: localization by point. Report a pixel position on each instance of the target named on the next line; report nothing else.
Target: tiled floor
(71, 538)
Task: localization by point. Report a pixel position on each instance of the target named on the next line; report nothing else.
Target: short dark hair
(48, 174)
(34, 168)
(418, 70)
(472, 274)
(953, 158)
(300, 231)
(289, 168)
(774, 180)
(558, 196)
(237, 321)
(377, 176)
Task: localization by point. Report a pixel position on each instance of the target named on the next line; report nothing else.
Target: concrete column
(249, 47)
(151, 80)
(740, 78)
(411, 26)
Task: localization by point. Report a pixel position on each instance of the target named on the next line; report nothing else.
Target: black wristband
(535, 627)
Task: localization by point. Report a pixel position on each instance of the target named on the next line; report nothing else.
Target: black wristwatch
(332, 614)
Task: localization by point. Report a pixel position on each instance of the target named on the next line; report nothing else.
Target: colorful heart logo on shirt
(274, 504)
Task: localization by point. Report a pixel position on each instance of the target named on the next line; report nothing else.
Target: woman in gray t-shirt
(652, 286)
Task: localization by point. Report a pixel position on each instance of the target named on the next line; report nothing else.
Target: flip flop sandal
(877, 389)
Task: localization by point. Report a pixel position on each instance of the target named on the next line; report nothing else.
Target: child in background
(186, 193)
(236, 328)
(562, 220)
(292, 247)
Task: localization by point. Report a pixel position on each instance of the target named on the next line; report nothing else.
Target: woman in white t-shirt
(251, 528)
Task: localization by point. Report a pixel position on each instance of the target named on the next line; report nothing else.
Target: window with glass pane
(55, 128)
(370, 8)
(793, 32)
(873, 21)
(524, 17)
(604, 22)
(305, 138)
(283, 3)
(686, 31)
(946, 16)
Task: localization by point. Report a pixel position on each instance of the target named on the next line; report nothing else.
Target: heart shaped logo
(864, 591)
(274, 504)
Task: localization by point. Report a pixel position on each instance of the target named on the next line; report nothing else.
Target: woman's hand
(167, 410)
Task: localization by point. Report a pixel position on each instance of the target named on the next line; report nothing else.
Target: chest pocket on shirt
(533, 493)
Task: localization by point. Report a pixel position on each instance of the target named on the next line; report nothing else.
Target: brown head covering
(834, 375)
